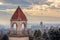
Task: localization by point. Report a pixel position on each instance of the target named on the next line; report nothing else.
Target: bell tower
(19, 19)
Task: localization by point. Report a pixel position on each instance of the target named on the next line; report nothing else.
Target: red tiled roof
(18, 15)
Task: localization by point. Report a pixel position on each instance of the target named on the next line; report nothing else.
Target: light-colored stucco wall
(18, 38)
(18, 27)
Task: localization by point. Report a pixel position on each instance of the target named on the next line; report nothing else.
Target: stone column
(18, 28)
(11, 30)
(25, 29)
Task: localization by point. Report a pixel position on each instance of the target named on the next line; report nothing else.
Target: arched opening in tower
(22, 28)
(15, 28)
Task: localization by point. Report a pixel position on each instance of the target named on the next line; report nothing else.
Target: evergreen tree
(45, 36)
(37, 34)
(54, 34)
(5, 37)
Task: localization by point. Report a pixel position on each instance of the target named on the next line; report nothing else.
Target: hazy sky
(36, 10)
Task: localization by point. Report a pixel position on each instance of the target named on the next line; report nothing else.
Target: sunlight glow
(1, 3)
(54, 0)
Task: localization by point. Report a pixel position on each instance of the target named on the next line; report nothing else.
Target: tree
(37, 34)
(45, 36)
(54, 34)
(5, 37)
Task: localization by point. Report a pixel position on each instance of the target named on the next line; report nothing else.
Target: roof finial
(18, 6)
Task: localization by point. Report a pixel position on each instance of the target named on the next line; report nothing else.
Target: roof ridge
(19, 15)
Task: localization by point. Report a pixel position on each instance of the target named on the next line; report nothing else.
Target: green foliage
(37, 34)
(5, 37)
(54, 34)
(45, 36)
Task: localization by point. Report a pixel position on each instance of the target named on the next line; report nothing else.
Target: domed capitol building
(40, 27)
